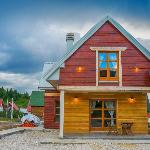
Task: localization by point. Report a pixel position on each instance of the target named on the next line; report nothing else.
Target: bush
(2, 114)
(16, 114)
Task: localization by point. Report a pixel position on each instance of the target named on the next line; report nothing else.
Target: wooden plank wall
(49, 110)
(136, 113)
(106, 36)
(76, 114)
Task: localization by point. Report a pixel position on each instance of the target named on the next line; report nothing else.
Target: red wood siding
(107, 36)
(49, 111)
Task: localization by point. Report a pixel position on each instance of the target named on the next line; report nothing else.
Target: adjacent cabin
(103, 79)
(52, 114)
(37, 103)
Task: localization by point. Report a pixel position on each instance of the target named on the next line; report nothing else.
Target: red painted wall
(107, 36)
(49, 111)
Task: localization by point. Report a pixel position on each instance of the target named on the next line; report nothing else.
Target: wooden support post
(120, 70)
(61, 114)
(96, 68)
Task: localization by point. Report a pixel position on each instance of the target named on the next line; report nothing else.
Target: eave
(104, 89)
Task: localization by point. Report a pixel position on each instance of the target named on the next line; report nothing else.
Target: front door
(102, 114)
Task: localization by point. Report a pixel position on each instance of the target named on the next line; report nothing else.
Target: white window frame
(103, 49)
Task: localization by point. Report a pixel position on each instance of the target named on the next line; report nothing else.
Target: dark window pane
(57, 110)
(103, 73)
(109, 104)
(103, 65)
(96, 104)
(96, 123)
(109, 122)
(57, 118)
(110, 114)
(113, 65)
(113, 73)
(112, 56)
(57, 104)
(96, 114)
(102, 56)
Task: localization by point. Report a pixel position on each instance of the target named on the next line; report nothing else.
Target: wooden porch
(77, 112)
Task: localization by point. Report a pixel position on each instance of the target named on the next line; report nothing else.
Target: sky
(33, 32)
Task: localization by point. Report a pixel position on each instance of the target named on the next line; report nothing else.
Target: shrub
(16, 114)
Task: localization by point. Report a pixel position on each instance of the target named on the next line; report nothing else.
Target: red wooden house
(103, 79)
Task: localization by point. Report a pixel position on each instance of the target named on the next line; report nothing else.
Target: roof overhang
(45, 88)
(104, 89)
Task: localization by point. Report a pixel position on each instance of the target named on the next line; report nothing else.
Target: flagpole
(12, 108)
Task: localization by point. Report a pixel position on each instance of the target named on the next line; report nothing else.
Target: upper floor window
(108, 66)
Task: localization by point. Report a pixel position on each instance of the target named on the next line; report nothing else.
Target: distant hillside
(21, 99)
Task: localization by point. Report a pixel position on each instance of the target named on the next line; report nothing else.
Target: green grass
(8, 119)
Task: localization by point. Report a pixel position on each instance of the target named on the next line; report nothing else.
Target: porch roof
(104, 89)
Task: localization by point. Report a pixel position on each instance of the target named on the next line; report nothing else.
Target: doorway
(102, 114)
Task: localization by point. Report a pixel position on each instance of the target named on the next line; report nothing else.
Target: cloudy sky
(33, 31)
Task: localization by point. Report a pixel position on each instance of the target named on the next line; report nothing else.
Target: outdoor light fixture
(75, 100)
(136, 69)
(131, 100)
(79, 69)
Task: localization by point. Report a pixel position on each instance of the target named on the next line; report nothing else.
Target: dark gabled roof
(88, 35)
(37, 98)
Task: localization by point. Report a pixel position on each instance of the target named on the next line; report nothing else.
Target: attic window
(108, 63)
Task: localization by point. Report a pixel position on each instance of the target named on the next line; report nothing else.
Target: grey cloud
(21, 82)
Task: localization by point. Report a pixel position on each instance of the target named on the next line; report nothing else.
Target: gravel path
(31, 140)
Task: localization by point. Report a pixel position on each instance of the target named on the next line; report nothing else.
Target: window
(108, 66)
(102, 114)
(57, 111)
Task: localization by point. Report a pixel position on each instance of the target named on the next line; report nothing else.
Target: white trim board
(108, 48)
(61, 131)
(115, 49)
(103, 88)
(97, 80)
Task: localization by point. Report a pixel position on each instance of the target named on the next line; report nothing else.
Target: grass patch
(8, 119)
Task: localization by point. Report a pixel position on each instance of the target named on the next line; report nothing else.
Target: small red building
(103, 79)
(51, 100)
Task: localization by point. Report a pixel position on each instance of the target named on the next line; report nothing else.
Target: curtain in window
(111, 112)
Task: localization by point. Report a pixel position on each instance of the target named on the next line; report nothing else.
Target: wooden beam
(120, 70)
(96, 68)
(104, 88)
(52, 94)
(108, 48)
(61, 131)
